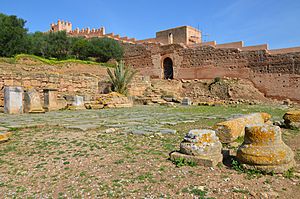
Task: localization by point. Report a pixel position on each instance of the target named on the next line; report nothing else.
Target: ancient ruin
(263, 149)
(292, 119)
(13, 100)
(32, 102)
(201, 147)
(230, 130)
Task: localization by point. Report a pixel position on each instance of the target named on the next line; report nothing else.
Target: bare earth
(115, 155)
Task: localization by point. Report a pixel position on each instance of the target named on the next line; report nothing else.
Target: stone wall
(276, 75)
(64, 83)
(69, 79)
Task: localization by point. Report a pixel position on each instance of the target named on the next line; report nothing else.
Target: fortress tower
(61, 26)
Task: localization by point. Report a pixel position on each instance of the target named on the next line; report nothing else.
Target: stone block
(263, 149)
(292, 119)
(13, 100)
(4, 136)
(230, 130)
(78, 103)
(32, 102)
(200, 146)
(50, 99)
(186, 101)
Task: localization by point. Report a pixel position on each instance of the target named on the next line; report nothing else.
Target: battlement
(61, 26)
(87, 32)
(240, 46)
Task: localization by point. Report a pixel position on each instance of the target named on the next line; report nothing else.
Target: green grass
(179, 162)
(52, 61)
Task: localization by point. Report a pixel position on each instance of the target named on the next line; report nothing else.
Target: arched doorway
(168, 68)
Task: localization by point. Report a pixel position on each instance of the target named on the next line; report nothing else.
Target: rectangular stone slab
(198, 160)
(13, 100)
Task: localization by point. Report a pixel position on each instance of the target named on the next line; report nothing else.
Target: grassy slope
(19, 57)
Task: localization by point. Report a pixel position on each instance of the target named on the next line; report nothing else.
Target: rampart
(276, 73)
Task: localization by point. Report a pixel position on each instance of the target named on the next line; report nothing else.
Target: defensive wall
(276, 73)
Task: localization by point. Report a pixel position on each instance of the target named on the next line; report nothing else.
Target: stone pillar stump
(201, 147)
(263, 149)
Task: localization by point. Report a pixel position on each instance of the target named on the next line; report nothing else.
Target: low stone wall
(66, 84)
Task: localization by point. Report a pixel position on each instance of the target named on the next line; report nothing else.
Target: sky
(276, 22)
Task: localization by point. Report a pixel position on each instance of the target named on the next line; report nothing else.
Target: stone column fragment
(263, 149)
(200, 146)
(230, 130)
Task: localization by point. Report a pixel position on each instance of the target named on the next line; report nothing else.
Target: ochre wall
(277, 76)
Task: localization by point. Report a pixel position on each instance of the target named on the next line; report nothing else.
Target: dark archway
(168, 68)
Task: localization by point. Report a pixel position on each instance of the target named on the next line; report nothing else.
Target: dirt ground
(55, 162)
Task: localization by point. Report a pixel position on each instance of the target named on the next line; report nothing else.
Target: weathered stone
(292, 119)
(13, 100)
(200, 146)
(4, 136)
(168, 131)
(32, 102)
(263, 149)
(114, 100)
(78, 103)
(50, 100)
(186, 101)
(230, 130)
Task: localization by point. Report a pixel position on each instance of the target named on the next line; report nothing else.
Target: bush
(104, 49)
(80, 48)
(12, 35)
(120, 78)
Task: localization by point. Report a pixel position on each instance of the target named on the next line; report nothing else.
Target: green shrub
(120, 78)
(104, 49)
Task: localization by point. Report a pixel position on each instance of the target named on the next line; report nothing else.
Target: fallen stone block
(292, 119)
(4, 136)
(230, 130)
(263, 149)
(201, 147)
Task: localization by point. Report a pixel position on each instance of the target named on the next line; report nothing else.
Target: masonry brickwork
(276, 73)
(73, 80)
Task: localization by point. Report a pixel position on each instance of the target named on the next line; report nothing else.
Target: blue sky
(276, 22)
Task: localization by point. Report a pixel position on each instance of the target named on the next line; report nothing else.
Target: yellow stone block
(230, 130)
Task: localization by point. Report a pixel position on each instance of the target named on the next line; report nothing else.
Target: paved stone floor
(137, 120)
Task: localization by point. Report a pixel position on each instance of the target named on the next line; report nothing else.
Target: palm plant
(120, 78)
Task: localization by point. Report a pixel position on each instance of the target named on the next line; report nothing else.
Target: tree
(104, 49)
(120, 78)
(58, 45)
(37, 44)
(12, 35)
(80, 47)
